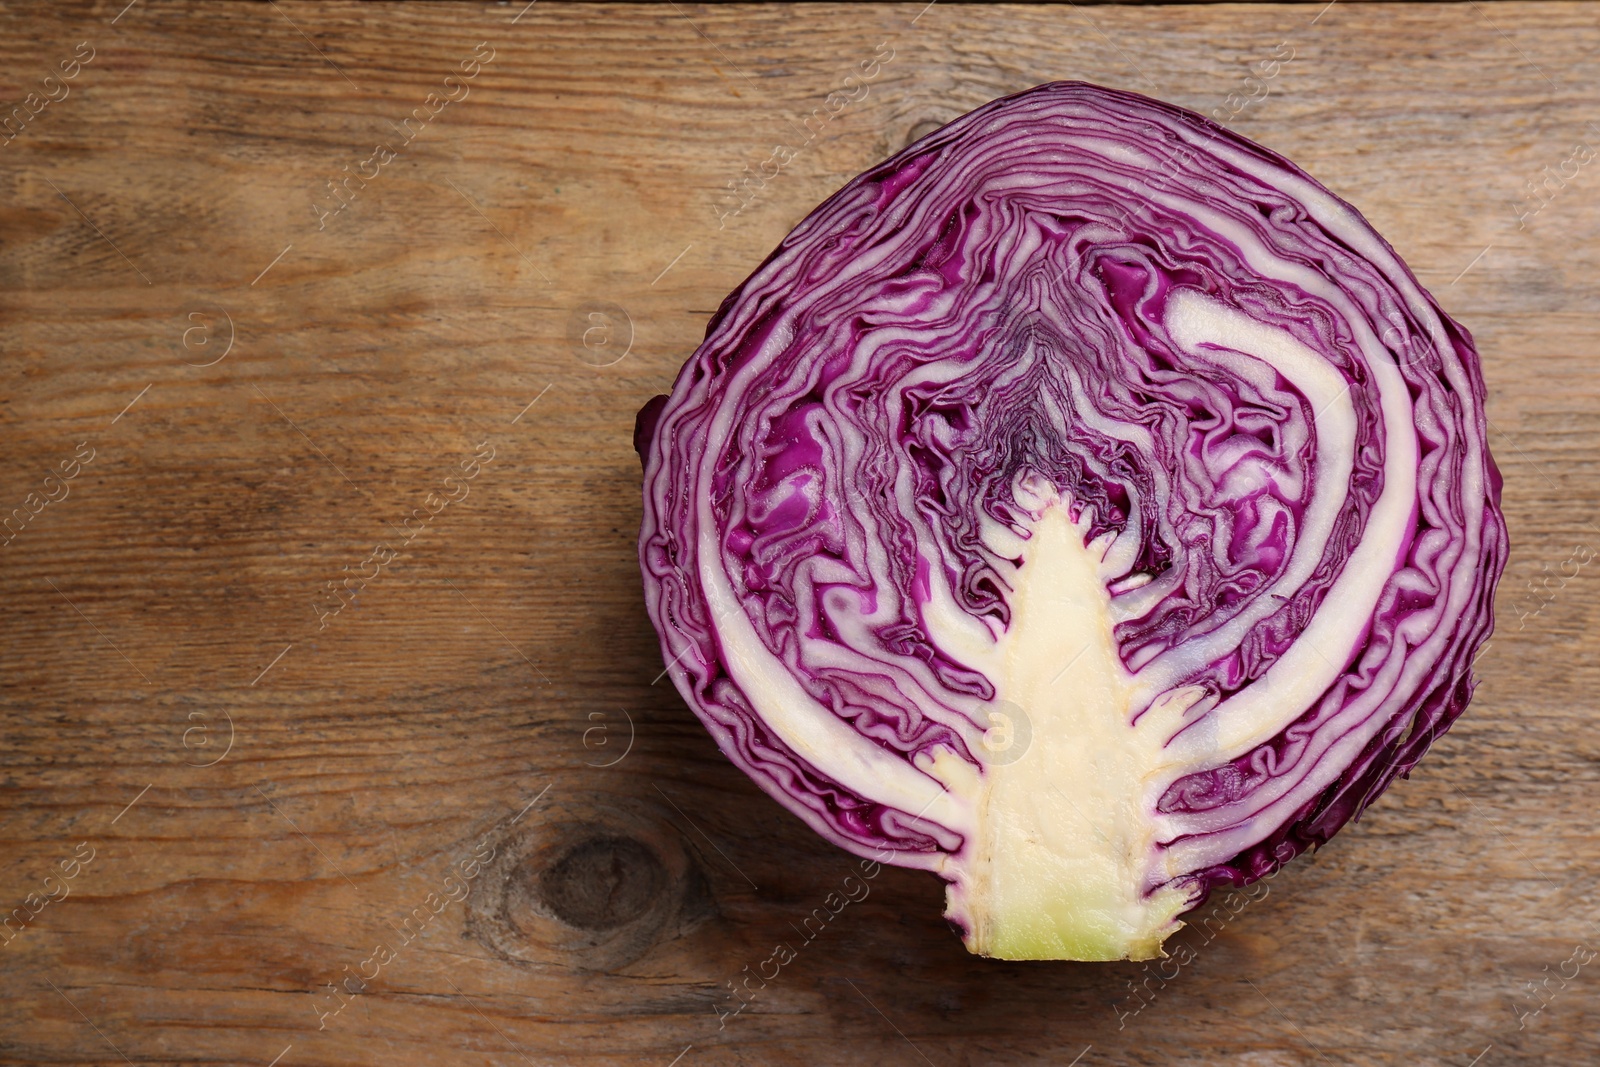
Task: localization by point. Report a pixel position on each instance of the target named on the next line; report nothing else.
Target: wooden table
(254, 391)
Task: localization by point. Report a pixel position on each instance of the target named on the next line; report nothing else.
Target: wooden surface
(263, 798)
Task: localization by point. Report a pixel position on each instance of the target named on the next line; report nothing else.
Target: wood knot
(921, 129)
(602, 883)
(595, 893)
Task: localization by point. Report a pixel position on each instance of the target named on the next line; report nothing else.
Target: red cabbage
(1084, 505)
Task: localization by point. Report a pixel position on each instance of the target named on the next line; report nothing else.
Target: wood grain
(268, 797)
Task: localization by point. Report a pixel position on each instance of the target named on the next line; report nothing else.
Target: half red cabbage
(1084, 505)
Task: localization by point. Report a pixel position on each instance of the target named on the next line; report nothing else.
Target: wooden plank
(268, 796)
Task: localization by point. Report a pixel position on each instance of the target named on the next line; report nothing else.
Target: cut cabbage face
(1083, 505)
